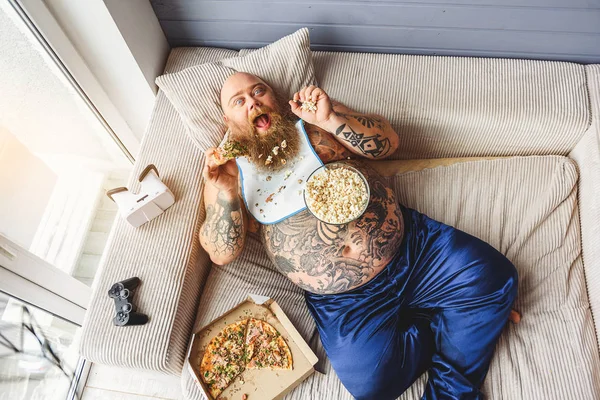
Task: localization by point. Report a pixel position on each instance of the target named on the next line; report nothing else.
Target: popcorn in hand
(309, 106)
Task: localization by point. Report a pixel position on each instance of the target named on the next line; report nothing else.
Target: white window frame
(32, 280)
(139, 56)
(144, 51)
(38, 18)
(22, 274)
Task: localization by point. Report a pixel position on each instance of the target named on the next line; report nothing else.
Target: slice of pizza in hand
(266, 348)
(228, 151)
(223, 358)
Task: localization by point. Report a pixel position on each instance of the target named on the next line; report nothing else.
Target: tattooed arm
(326, 146)
(223, 233)
(369, 136)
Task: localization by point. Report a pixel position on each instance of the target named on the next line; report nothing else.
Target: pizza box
(261, 384)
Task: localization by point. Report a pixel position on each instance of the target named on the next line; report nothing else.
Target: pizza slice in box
(265, 348)
(224, 359)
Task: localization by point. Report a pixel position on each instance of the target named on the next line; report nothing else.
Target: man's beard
(282, 136)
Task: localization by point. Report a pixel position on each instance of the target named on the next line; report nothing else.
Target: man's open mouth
(262, 122)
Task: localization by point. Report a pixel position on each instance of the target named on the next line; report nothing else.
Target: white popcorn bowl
(335, 165)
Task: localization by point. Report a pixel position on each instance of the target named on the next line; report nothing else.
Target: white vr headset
(152, 200)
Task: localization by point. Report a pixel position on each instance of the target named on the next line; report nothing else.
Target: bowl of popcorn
(336, 193)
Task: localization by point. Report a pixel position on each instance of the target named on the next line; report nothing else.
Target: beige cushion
(195, 92)
(181, 58)
(461, 106)
(587, 156)
(526, 208)
(164, 253)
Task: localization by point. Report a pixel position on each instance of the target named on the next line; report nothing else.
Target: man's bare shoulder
(326, 146)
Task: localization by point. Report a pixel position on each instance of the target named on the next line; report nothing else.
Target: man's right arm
(223, 232)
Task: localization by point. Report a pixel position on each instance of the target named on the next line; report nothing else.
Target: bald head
(236, 84)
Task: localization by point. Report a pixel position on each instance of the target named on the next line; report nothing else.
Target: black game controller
(122, 292)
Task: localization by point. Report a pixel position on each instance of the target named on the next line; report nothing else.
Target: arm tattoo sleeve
(223, 229)
(368, 140)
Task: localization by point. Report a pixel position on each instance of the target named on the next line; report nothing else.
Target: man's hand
(514, 317)
(320, 98)
(223, 177)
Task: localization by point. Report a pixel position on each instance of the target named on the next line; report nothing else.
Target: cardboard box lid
(257, 384)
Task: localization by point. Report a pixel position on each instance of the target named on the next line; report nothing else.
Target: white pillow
(286, 65)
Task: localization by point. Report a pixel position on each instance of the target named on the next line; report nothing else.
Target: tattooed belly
(324, 258)
(330, 258)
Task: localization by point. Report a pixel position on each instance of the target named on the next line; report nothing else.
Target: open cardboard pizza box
(262, 384)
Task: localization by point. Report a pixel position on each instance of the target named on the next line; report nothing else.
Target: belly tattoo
(324, 258)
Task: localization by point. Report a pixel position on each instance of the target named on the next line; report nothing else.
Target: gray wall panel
(566, 30)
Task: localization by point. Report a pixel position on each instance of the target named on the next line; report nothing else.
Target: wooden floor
(114, 383)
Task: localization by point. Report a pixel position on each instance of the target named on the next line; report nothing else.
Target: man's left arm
(369, 136)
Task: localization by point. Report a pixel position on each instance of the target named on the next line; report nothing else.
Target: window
(57, 159)
(38, 352)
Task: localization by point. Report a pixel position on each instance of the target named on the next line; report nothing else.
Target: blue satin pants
(439, 306)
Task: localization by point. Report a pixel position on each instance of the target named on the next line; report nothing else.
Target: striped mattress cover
(546, 112)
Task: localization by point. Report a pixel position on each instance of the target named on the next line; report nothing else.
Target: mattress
(442, 107)
(526, 207)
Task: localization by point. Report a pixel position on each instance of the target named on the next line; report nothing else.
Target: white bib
(272, 196)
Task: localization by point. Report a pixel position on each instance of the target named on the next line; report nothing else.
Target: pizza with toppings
(228, 151)
(247, 344)
(224, 358)
(265, 348)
